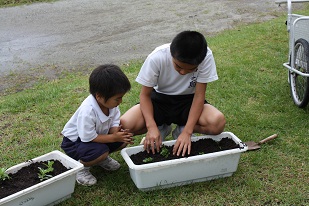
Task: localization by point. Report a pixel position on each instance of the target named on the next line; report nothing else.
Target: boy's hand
(182, 145)
(123, 135)
(153, 140)
(127, 136)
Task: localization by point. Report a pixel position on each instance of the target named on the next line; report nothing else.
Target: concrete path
(74, 33)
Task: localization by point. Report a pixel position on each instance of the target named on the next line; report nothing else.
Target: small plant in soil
(3, 174)
(29, 176)
(200, 147)
(148, 160)
(43, 173)
(164, 152)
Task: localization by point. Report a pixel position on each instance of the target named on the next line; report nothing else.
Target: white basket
(48, 192)
(184, 170)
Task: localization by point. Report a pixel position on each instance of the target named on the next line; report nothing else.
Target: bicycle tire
(299, 84)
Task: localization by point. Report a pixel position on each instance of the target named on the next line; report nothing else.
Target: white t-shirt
(88, 121)
(158, 72)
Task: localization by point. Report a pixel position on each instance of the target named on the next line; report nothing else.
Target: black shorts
(170, 109)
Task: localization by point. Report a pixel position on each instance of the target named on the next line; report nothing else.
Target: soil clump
(202, 146)
(27, 177)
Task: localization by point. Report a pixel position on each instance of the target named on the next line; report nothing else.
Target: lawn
(253, 93)
(10, 3)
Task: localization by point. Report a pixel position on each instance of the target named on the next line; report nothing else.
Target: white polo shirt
(88, 121)
(158, 72)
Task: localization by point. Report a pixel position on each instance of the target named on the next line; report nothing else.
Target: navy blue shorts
(87, 151)
(171, 108)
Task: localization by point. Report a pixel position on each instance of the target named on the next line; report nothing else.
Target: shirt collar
(96, 107)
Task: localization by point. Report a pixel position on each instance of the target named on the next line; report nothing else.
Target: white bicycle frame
(298, 27)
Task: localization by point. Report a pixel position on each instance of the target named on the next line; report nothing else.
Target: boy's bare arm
(196, 107)
(153, 134)
(114, 129)
(147, 107)
(183, 143)
(116, 134)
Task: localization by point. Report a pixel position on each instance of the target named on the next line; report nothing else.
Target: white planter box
(49, 192)
(185, 170)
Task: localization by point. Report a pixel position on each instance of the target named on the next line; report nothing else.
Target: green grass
(8, 3)
(253, 93)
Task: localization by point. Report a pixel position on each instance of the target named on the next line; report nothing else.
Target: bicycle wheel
(300, 84)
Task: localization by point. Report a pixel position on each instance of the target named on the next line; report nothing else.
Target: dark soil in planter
(27, 177)
(202, 146)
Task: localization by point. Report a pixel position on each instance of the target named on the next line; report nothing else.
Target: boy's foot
(84, 177)
(177, 131)
(109, 164)
(165, 130)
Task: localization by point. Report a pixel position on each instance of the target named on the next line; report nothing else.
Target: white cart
(298, 64)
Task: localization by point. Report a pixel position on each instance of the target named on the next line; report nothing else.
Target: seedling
(148, 160)
(3, 174)
(164, 152)
(43, 174)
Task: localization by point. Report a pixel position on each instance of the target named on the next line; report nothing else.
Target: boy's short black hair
(108, 80)
(189, 47)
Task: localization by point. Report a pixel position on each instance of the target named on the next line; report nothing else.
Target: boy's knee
(218, 124)
(221, 121)
(123, 122)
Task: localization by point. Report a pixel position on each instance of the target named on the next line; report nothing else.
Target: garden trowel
(254, 146)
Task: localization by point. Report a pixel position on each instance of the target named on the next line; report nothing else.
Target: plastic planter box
(184, 170)
(51, 191)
